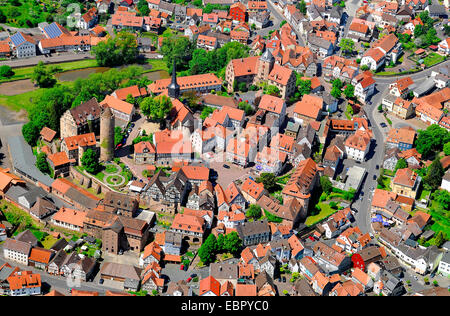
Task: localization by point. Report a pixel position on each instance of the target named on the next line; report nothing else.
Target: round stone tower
(106, 135)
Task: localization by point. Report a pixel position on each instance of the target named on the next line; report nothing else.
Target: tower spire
(174, 88)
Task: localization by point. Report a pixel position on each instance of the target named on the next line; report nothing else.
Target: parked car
(226, 166)
(193, 275)
(374, 176)
(182, 267)
(101, 281)
(189, 280)
(377, 167)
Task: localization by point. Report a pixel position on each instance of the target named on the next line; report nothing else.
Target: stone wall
(88, 182)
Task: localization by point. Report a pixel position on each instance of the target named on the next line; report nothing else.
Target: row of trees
(121, 50)
(194, 61)
(336, 90)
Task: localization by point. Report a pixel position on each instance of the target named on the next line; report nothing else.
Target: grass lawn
(111, 169)
(26, 100)
(424, 194)
(325, 211)
(157, 64)
(21, 101)
(386, 184)
(26, 72)
(433, 59)
(17, 216)
(394, 73)
(48, 241)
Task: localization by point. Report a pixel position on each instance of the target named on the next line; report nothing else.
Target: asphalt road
(52, 282)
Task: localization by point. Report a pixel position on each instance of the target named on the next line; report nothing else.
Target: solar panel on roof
(53, 30)
(17, 39)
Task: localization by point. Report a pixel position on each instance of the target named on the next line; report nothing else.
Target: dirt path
(17, 87)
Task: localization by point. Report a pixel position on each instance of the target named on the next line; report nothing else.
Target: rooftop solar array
(17, 39)
(53, 31)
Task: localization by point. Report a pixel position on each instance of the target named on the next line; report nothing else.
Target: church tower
(174, 88)
(265, 65)
(106, 135)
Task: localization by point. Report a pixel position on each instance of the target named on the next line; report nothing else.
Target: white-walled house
(357, 145)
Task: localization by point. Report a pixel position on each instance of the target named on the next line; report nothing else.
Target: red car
(189, 280)
(182, 267)
(311, 238)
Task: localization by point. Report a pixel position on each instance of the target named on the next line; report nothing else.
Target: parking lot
(227, 175)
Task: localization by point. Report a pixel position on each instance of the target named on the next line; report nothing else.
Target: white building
(17, 251)
(22, 45)
(357, 145)
(444, 265)
(445, 185)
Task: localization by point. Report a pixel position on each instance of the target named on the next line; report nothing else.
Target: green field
(26, 72)
(325, 211)
(433, 59)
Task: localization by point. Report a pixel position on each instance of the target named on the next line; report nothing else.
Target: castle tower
(106, 135)
(174, 87)
(265, 65)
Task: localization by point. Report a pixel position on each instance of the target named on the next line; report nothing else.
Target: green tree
(336, 88)
(207, 111)
(349, 91)
(42, 76)
(2, 17)
(364, 68)
(118, 135)
(51, 106)
(157, 108)
(418, 30)
(301, 6)
(254, 211)
(401, 164)
(30, 133)
(273, 90)
(117, 51)
(220, 243)
(447, 29)
(269, 181)
(242, 86)
(90, 161)
(207, 251)
(347, 46)
(335, 92)
(6, 71)
(326, 184)
(439, 239)
(143, 8)
(179, 49)
(42, 164)
(232, 243)
(443, 198)
(246, 107)
(303, 86)
(431, 140)
(433, 179)
(447, 149)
